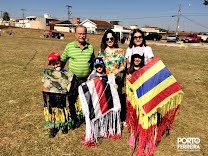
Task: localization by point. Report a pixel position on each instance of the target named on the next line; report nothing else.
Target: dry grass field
(22, 61)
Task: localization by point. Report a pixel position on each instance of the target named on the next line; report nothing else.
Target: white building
(96, 26)
(122, 32)
(35, 22)
(149, 29)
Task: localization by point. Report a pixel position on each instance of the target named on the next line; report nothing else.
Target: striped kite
(153, 98)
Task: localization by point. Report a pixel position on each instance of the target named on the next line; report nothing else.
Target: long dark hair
(103, 45)
(131, 68)
(131, 44)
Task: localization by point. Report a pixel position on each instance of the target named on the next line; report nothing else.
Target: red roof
(58, 22)
(125, 28)
(101, 23)
(151, 27)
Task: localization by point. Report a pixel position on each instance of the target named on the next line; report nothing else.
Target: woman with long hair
(138, 45)
(115, 62)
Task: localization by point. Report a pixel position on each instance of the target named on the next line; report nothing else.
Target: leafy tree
(163, 30)
(6, 16)
(205, 2)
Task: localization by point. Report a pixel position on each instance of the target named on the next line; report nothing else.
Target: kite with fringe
(56, 87)
(153, 98)
(101, 107)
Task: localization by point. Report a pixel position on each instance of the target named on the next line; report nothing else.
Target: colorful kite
(153, 98)
(101, 108)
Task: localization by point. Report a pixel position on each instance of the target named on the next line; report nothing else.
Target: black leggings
(122, 97)
(73, 94)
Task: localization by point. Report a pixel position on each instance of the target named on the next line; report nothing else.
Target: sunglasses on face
(138, 37)
(137, 60)
(98, 65)
(111, 39)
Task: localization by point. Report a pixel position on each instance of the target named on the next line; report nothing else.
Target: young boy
(99, 69)
(56, 84)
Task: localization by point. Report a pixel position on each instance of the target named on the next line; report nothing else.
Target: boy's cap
(98, 60)
(53, 56)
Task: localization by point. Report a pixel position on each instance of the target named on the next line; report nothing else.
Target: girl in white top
(138, 45)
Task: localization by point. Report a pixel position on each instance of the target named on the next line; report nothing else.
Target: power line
(197, 23)
(148, 17)
(196, 14)
(132, 18)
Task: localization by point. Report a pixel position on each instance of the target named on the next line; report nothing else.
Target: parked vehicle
(191, 38)
(172, 38)
(53, 34)
(204, 36)
(153, 36)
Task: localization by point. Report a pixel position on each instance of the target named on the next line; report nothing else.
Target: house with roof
(65, 25)
(149, 29)
(61, 25)
(96, 26)
(122, 32)
(35, 22)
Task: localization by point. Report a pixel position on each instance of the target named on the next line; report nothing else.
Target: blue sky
(129, 12)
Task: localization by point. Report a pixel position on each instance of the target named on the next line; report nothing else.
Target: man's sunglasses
(111, 39)
(138, 37)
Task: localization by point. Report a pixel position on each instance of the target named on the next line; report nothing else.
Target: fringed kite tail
(146, 141)
(165, 123)
(107, 126)
(154, 97)
(101, 108)
(131, 119)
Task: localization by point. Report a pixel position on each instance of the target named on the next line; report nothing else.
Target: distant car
(204, 36)
(191, 38)
(172, 38)
(53, 34)
(153, 36)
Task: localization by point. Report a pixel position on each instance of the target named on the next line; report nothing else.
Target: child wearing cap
(56, 84)
(99, 70)
(99, 67)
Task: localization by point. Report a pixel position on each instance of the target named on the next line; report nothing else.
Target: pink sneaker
(131, 141)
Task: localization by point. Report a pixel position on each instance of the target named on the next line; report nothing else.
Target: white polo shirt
(147, 51)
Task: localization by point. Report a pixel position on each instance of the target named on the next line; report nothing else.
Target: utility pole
(1, 17)
(69, 13)
(179, 14)
(23, 16)
(1, 14)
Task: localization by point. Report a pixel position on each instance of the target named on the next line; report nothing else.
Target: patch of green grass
(22, 119)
